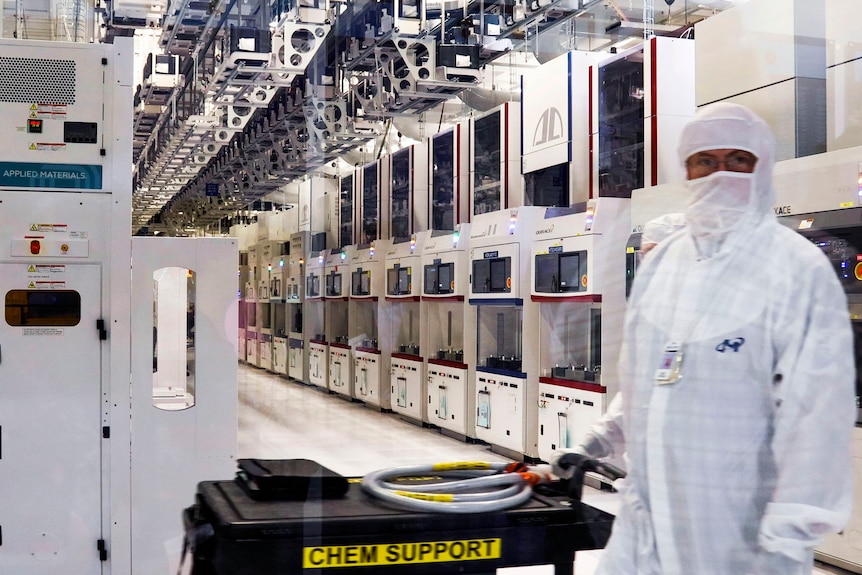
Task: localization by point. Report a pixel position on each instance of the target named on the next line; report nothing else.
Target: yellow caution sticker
(401, 553)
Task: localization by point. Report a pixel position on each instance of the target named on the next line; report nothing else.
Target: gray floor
(281, 419)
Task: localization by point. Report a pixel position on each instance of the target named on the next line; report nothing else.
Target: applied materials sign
(36, 175)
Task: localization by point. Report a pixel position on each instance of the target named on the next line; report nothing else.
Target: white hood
(728, 126)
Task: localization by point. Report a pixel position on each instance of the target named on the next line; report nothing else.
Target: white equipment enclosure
(507, 328)
(578, 259)
(336, 286)
(117, 381)
(318, 348)
(448, 323)
(370, 358)
(402, 312)
(297, 362)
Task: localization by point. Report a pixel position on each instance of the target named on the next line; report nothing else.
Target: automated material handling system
(448, 323)
(507, 330)
(576, 278)
(402, 311)
(368, 331)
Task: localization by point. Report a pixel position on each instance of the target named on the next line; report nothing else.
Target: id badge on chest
(669, 370)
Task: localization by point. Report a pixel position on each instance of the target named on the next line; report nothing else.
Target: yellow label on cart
(442, 497)
(401, 553)
(461, 466)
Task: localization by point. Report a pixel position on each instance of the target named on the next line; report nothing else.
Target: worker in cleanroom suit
(606, 439)
(737, 374)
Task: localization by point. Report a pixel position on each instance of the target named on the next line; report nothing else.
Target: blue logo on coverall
(733, 344)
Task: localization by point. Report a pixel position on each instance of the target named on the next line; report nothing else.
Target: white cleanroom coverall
(605, 439)
(743, 464)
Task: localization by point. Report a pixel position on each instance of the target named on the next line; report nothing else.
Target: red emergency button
(35, 247)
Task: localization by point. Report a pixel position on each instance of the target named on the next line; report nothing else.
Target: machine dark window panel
(43, 308)
(442, 182)
(487, 176)
(446, 276)
(345, 216)
(370, 204)
(548, 186)
(621, 126)
(500, 275)
(403, 281)
(401, 194)
(430, 286)
(392, 281)
(481, 276)
(547, 272)
(572, 267)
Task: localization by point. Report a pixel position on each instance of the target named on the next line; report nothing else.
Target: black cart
(231, 533)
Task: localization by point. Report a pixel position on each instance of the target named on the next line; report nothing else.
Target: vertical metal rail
(649, 19)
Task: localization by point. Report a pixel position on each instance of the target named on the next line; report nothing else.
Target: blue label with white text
(35, 175)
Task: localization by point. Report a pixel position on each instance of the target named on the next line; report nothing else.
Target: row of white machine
(457, 329)
(506, 329)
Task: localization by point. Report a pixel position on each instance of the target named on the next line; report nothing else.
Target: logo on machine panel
(549, 127)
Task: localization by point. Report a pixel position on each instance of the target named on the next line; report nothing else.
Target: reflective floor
(281, 419)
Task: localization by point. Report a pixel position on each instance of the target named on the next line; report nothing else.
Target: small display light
(34, 126)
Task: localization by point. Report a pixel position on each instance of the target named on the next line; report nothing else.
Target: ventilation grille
(37, 81)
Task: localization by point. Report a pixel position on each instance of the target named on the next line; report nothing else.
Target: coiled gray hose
(472, 486)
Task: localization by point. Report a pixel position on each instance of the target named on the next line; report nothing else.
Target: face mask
(718, 202)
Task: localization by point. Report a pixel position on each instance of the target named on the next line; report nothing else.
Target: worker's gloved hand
(565, 461)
